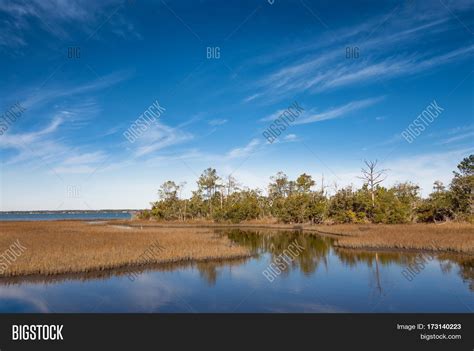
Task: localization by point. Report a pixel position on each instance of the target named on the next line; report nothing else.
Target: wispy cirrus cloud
(18, 140)
(35, 146)
(384, 54)
(290, 137)
(335, 112)
(195, 154)
(90, 157)
(35, 98)
(81, 163)
(340, 111)
(243, 151)
(272, 116)
(217, 122)
(46, 144)
(311, 76)
(159, 136)
(459, 134)
(56, 17)
(252, 97)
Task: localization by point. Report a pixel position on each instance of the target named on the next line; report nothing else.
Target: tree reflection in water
(316, 252)
(317, 249)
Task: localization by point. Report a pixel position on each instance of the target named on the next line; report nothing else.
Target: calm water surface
(322, 278)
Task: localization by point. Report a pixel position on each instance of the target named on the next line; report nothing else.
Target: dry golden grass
(455, 237)
(72, 246)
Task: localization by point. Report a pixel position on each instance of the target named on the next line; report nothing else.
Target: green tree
(437, 207)
(207, 184)
(294, 201)
(341, 206)
(278, 186)
(462, 187)
(168, 191)
(304, 183)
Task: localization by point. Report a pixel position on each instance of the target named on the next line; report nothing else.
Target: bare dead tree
(220, 187)
(231, 185)
(323, 187)
(372, 177)
(336, 186)
(181, 187)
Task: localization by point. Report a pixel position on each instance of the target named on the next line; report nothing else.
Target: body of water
(319, 277)
(54, 216)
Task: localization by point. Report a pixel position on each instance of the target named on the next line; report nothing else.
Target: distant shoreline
(70, 211)
(65, 215)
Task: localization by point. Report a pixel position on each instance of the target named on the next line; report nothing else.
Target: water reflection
(465, 265)
(318, 248)
(208, 270)
(321, 278)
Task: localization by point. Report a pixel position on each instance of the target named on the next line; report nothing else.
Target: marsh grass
(449, 236)
(452, 237)
(58, 247)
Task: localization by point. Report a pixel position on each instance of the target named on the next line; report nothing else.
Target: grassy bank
(56, 247)
(63, 247)
(454, 237)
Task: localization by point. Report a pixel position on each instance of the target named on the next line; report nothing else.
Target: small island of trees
(298, 201)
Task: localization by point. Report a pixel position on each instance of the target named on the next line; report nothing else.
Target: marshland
(74, 246)
(229, 249)
(61, 247)
(131, 266)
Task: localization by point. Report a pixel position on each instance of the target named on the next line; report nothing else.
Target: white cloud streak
(339, 112)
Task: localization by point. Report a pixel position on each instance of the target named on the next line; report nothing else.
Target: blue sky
(68, 151)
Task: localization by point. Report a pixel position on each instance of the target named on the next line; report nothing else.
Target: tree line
(303, 201)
